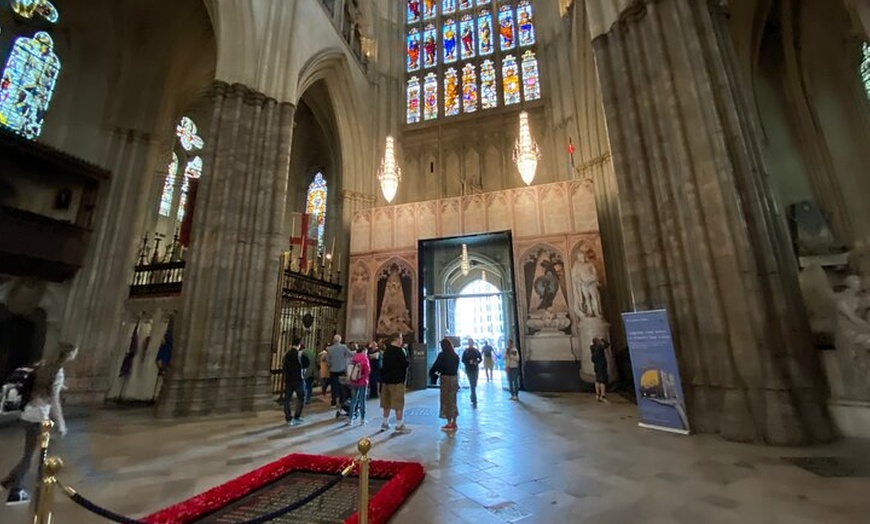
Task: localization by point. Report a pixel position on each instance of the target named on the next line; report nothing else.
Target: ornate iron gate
(308, 306)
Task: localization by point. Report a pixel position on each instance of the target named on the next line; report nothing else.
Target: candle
(293, 225)
(332, 251)
(339, 261)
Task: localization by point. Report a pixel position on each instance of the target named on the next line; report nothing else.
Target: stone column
(221, 361)
(703, 235)
(95, 307)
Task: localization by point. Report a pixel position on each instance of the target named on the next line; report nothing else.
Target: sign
(656, 374)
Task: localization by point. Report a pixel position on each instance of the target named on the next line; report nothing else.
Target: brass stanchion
(45, 495)
(364, 446)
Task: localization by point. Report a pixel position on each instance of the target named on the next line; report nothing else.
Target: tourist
(374, 353)
(488, 360)
(308, 373)
(359, 371)
(294, 362)
(512, 365)
(446, 368)
(599, 361)
(471, 357)
(339, 354)
(44, 404)
(393, 374)
(323, 359)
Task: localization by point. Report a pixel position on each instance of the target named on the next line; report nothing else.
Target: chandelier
(389, 174)
(526, 154)
(464, 264)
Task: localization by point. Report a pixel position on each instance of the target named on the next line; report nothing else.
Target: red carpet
(399, 479)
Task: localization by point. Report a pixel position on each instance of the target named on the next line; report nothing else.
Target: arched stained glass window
(192, 170)
(525, 23)
(187, 134)
(413, 109)
(413, 50)
(451, 92)
(169, 187)
(445, 37)
(430, 48)
(430, 97)
(449, 43)
(27, 84)
(484, 29)
(865, 67)
(511, 80)
(469, 89)
(531, 85)
(488, 92)
(316, 209)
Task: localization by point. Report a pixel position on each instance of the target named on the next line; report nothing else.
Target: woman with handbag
(446, 367)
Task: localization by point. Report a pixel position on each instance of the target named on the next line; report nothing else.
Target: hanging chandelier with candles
(526, 153)
(389, 174)
(464, 264)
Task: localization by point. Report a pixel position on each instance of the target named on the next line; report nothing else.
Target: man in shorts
(393, 371)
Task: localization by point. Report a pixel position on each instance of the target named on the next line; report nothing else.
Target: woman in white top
(44, 404)
(512, 366)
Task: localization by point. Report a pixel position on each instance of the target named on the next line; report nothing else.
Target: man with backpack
(294, 363)
(471, 357)
(338, 355)
(488, 360)
(39, 391)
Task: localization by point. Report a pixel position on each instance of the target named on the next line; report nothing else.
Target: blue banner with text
(660, 397)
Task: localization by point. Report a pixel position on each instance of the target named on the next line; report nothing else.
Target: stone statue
(359, 285)
(584, 276)
(853, 335)
(395, 316)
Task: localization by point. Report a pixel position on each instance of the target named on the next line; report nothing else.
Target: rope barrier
(121, 519)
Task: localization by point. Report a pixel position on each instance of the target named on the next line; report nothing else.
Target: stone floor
(546, 459)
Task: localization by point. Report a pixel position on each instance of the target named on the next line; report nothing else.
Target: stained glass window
(449, 33)
(466, 32)
(468, 52)
(169, 187)
(430, 97)
(192, 170)
(413, 11)
(316, 208)
(27, 84)
(484, 31)
(413, 107)
(525, 24)
(488, 90)
(413, 49)
(430, 48)
(429, 7)
(865, 67)
(469, 89)
(28, 8)
(187, 134)
(506, 27)
(510, 80)
(531, 85)
(451, 92)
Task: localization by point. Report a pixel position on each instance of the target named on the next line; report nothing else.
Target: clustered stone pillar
(221, 362)
(703, 235)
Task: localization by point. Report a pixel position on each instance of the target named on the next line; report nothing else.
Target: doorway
(467, 290)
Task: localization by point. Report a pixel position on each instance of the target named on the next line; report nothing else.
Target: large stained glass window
(188, 143)
(865, 68)
(27, 84)
(474, 55)
(531, 85)
(316, 208)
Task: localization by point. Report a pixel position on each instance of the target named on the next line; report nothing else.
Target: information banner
(660, 397)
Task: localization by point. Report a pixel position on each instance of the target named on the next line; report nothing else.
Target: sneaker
(300, 419)
(294, 422)
(446, 427)
(16, 497)
(403, 429)
(363, 422)
(385, 425)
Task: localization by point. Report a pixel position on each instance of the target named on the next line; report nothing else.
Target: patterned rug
(292, 478)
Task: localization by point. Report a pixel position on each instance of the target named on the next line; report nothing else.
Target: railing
(160, 279)
(49, 467)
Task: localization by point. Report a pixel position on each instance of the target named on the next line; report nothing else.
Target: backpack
(354, 371)
(18, 389)
(304, 361)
